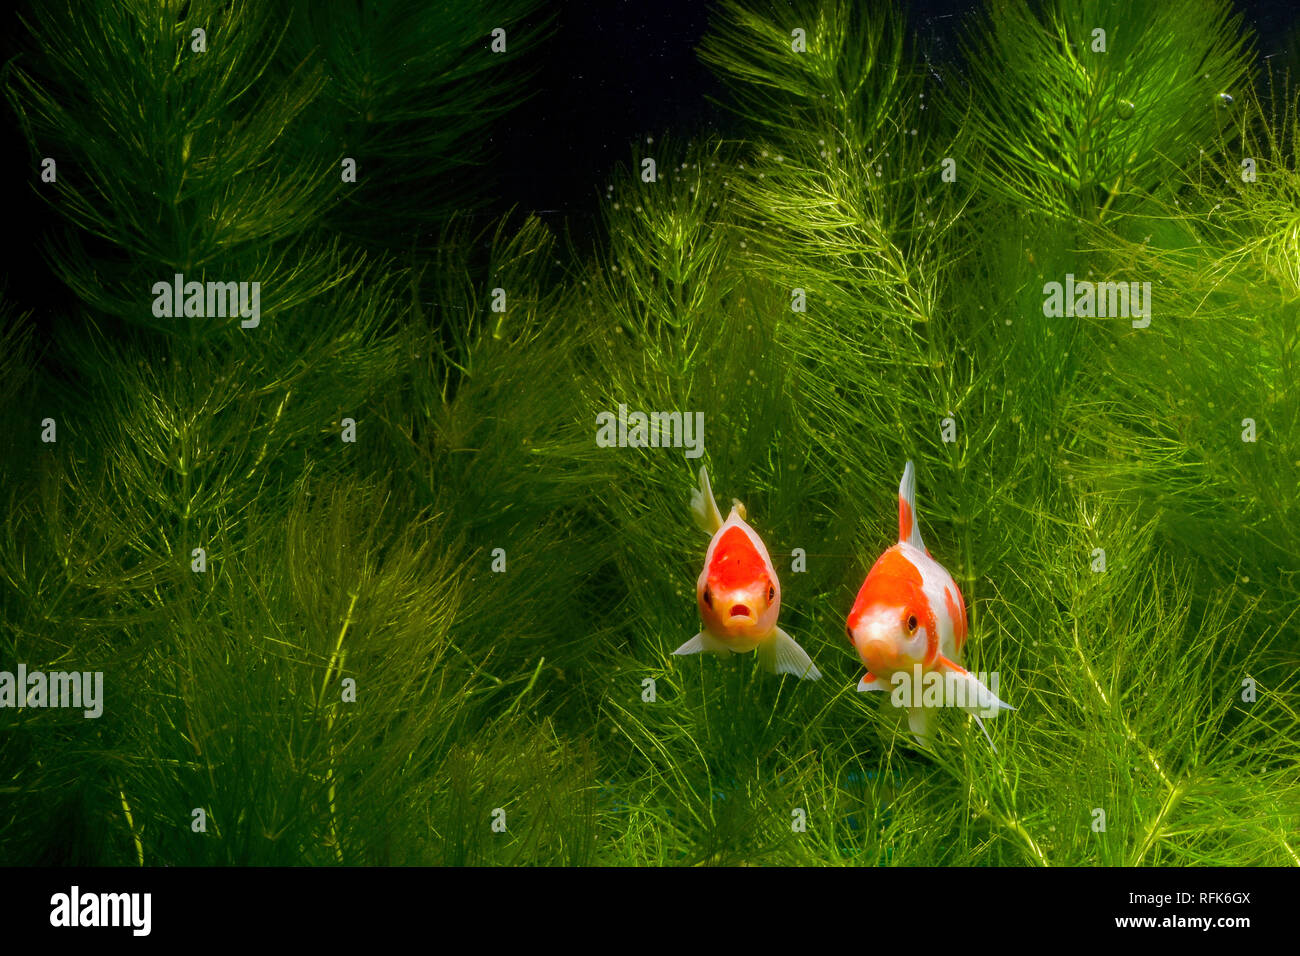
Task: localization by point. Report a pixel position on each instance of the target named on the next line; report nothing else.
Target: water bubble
(1125, 109)
(1225, 99)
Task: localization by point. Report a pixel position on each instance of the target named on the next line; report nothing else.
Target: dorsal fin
(703, 506)
(909, 531)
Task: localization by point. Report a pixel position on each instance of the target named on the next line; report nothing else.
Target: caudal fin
(909, 532)
(704, 508)
(781, 654)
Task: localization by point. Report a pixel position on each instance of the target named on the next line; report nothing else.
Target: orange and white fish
(738, 593)
(909, 622)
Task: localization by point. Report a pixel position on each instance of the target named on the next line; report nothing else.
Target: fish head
(738, 592)
(891, 625)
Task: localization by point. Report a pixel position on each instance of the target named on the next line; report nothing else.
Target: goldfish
(909, 623)
(738, 593)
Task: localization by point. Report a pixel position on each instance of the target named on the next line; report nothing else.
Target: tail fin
(908, 530)
(704, 507)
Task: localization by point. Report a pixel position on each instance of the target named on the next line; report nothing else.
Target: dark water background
(610, 73)
(619, 70)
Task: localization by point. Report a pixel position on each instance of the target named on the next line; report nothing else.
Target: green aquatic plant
(409, 90)
(1083, 103)
(164, 169)
(1198, 408)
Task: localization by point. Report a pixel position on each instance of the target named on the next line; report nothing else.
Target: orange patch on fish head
(892, 625)
(736, 593)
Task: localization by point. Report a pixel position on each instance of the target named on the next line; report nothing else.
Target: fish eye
(771, 593)
(708, 597)
(911, 624)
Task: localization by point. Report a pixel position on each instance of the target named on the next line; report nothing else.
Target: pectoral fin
(871, 682)
(704, 642)
(693, 646)
(780, 654)
(978, 699)
(975, 695)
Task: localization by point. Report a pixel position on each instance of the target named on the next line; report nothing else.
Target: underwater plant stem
(1128, 731)
(524, 693)
(1290, 851)
(1172, 799)
(1114, 191)
(270, 429)
(1016, 827)
(130, 823)
(1110, 198)
(334, 824)
(337, 657)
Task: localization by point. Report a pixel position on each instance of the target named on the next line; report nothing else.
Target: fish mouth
(741, 614)
(879, 655)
